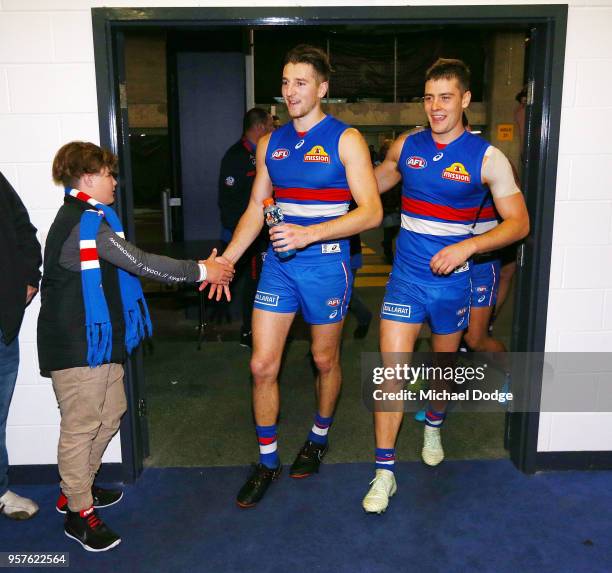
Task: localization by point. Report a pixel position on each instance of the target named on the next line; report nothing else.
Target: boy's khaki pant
(91, 402)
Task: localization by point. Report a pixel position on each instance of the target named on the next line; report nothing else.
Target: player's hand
(217, 291)
(449, 258)
(288, 236)
(219, 271)
(30, 293)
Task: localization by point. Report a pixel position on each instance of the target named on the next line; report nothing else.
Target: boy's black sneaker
(89, 530)
(257, 484)
(308, 460)
(101, 498)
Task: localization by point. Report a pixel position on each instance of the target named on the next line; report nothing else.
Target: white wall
(48, 97)
(580, 300)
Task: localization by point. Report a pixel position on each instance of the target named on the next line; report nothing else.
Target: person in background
(359, 309)
(20, 263)
(391, 202)
(236, 178)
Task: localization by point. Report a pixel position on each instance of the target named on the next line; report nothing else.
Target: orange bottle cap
(267, 202)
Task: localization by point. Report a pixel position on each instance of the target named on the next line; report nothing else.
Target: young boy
(93, 314)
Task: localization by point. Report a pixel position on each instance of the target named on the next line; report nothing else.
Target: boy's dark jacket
(62, 340)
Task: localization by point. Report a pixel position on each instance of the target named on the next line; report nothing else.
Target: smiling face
(302, 89)
(444, 102)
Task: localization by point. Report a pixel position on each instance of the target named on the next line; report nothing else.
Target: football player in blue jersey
(446, 172)
(312, 166)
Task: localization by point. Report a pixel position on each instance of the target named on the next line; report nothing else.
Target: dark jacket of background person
(236, 178)
(19, 259)
(62, 338)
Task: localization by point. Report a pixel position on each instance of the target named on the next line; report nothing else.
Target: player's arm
(387, 173)
(498, 175)
(252, 220)
(355, 156)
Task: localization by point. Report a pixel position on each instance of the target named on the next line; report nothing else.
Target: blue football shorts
(446, 308)
(485, 283)
(321, 290)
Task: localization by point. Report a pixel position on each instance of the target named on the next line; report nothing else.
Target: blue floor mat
(472, 516)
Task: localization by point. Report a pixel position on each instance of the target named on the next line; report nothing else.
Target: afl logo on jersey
(457, 172)
(416, 162)
(279, 154)
(317, 155)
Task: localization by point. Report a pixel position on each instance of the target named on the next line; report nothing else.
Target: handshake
(219, 274)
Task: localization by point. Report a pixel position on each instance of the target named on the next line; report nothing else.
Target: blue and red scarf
(97, 318)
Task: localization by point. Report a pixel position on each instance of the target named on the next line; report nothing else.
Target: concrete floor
(199, 401)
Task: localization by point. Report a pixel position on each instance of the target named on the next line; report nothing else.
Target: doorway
(545, 26)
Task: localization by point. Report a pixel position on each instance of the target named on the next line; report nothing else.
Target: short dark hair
(448, 69)
(77, 158)
(519, 96)
(316, 57)
(253, 117)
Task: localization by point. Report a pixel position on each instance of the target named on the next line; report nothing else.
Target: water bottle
(273, 216)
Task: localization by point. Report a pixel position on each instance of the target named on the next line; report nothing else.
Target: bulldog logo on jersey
(279, 154)
(457, 172)
(317, 155)
(416, 162)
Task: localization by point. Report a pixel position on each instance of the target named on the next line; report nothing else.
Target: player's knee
(474, 340)
(263, 369)
(325, 361)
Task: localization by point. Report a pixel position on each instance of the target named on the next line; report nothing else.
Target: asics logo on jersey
(416, 162)
(279, 154)
(457, 172)
(438, 156)
(299, 144)
(317, 155)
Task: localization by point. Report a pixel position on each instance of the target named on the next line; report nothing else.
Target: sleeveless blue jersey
(309, 181)
(442, 198)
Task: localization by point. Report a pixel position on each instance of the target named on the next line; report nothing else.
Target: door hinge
(123, 103)
(142, 408)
